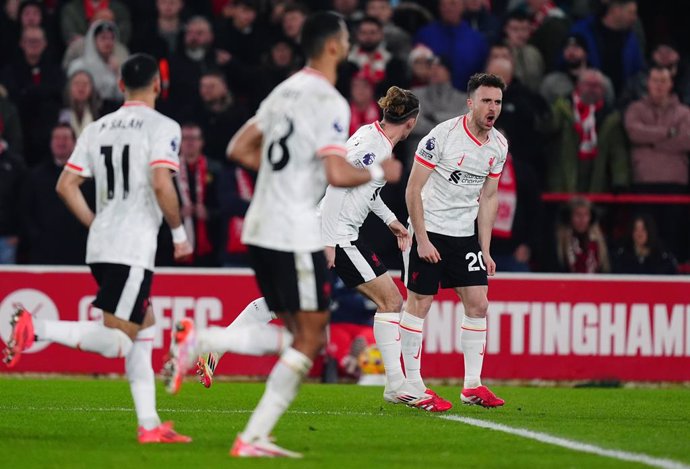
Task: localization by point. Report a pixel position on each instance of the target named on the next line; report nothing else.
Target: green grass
(73, 423)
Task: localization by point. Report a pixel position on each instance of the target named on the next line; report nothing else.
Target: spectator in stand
(292, 19)
(561, 83)
(241, 35)
(101, 61)
(659, 130)
(219, 115)
(525, 119)
(282, 60)
(480, 18)
(372, 60)
(643, 251)
(78, 46)
(35, 85)
(236, 189)
(550, 26)
(162, 36)
(10, 31)
(50, 233)
(454, 39)
(516, 236)
(10, 126)
(350, 11)
(197, 56)
(419, 65)
(612, 45)
(11, 175)
(82, 103)
(196, 187)
(398, 41)
(529, 64)
(77, 15)
(589, 151)
(580, 242)
(29, 14)
(363, 107)
(438, 101)
(663, 55)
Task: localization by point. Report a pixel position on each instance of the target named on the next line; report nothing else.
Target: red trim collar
(378, 127)
(133, 103)
(469, 134)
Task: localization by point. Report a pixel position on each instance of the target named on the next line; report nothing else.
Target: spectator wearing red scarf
(590, 151)
(197, 193)
(581, 243)
(363, 107)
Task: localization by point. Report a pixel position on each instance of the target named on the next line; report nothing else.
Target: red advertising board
(553, 327)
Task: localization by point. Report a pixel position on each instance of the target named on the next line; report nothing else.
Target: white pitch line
(571, 444)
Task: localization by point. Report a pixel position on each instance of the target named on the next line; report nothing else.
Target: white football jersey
(303, 119)
(460, 165)
(344, 209)
(119, 151)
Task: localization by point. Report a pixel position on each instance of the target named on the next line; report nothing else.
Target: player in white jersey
(454, 183)
(131, 153)
(297, 139)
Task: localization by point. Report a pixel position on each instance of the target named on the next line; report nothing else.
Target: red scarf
(586, 126)
(90, 9)
(196, 232)
(359, 117)
(245, 191)
(371, 65)
(541, 14)
(507, 201)
(583, 254)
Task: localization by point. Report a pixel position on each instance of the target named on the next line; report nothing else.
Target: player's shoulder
(448, 127)
(161, 120)
(499, 140)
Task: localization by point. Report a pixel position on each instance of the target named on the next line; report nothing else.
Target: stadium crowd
(596, 103)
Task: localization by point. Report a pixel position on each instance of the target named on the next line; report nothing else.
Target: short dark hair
(484, 79)
(372, 20)
(317, 29)
(138, 71)
(64, 125)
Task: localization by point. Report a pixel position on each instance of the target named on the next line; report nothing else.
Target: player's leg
(473, 342)
(359, 267)
(295, 282)
(385, 294)
(141, 377)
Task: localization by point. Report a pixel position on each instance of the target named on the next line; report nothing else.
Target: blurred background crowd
(596, 113)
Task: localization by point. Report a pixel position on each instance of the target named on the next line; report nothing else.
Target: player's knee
(478, 308)
(393, 303)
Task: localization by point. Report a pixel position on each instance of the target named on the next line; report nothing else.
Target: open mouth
(490, 119)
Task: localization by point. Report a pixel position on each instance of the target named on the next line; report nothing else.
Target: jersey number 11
(107, 152)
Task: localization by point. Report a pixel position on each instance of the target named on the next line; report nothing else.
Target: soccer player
(343, 211)
(131, 153)
(452, 185)
(297, 139)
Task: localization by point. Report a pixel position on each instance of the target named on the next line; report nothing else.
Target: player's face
(485, 106)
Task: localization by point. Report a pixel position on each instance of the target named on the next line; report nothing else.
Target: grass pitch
(75, 423)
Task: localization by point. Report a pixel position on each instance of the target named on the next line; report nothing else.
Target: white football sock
(89, 336)
(256, 312)
(411, 328)
(386, 332)
(473, 343)
(252, 339)
(142, 379)
(281, 389)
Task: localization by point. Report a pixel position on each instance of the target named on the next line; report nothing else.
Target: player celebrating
(453, 184)
(130, 153)
(299, 131)
(343, 212)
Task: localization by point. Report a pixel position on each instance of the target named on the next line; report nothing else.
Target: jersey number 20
(473, 260)
(107, 152)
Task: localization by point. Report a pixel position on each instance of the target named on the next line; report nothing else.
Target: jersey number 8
(285, 153)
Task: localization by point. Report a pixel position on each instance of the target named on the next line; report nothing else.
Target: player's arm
(415, 207)
(488, 207)
(68, 188)
(379, 207)
(164, 189)
(340, 173)
(245, 146)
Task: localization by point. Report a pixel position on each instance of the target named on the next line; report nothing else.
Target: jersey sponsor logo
(426, 154)
(458, 177)
(430, 144)
(368, 159)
